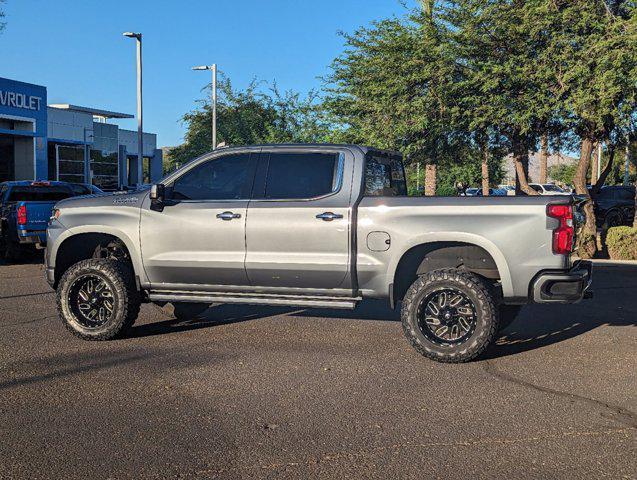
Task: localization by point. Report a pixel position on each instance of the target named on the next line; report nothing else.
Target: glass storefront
(104, 157)
(7, 158)
(70, 163)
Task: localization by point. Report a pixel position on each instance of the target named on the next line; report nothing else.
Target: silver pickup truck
(313, 226)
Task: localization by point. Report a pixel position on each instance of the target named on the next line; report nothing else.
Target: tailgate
(37, 213)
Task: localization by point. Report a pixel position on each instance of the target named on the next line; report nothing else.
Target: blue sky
(76, 48)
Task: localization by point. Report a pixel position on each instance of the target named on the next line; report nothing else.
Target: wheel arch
(466, 251)
(80, 244)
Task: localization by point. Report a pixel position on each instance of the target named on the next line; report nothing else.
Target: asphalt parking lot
(256, 392)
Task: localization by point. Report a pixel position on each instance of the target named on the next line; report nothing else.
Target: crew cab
(313, 226)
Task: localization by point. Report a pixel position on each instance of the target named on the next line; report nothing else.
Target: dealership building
(68, 142)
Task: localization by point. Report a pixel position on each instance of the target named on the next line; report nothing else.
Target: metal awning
(96, 112)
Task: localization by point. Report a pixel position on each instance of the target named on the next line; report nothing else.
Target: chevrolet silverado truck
(313, 226)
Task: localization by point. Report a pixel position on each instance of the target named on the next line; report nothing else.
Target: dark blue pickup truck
(25, 208)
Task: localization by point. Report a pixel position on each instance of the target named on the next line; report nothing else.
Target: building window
(105, 169)
(70, 163)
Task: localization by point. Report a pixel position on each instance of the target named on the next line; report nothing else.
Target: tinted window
(553, 188)
(225, 178)
(537, 188)
(38, 194)
(625, 194)
(79, 189)
(302, 175)
(384, 176)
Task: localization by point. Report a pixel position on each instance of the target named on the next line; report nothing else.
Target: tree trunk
(597, 186)
(430, 180)
(521, 162)
(587, 241)
(594, 161)
(544, 158)
(485, 171)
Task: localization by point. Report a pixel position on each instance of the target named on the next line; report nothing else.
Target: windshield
(553, 188)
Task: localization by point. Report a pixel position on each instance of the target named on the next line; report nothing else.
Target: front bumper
(559, 286)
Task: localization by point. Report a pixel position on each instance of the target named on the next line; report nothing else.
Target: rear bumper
(32, 236)
(569, 286)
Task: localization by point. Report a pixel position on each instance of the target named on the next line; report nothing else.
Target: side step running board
(288, 300)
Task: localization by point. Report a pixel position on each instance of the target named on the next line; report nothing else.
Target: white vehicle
(547, 189)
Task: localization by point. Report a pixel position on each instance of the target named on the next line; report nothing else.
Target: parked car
(509, 189)
(493, 192)
(25, 208)
(548, 189)
(470, 192)
(312, 226)
(614, 206)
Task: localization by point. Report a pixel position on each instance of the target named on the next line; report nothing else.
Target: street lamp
(140, 129)
(212, 68)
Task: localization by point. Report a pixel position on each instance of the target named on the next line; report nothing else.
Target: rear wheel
(97, 299)
(11, 249)
(613, 218)
(450, 315)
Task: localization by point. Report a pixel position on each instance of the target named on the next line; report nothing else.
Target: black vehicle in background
(615, 206)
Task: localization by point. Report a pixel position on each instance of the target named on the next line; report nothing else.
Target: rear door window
(38, 194)
(303, 175)
(384, 176)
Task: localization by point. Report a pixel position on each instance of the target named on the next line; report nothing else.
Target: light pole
(140, 115)
(213, 69)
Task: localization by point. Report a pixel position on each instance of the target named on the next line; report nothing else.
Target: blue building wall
(29, 101)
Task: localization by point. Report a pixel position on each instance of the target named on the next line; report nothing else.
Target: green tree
(593, 50)
(251, 116)
(563, 174)
(393, 87)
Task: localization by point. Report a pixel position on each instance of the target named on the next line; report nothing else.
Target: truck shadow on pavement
(537, 326)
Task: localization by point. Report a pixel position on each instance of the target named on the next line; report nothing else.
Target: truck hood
(132, 199)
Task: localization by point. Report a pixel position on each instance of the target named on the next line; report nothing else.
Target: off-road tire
(188, 311)
(11, 249)
(126, 299)
(614, 218)
(508, 314)
(486, 313)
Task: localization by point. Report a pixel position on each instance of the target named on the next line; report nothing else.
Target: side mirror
(157, 195)
(157, 192)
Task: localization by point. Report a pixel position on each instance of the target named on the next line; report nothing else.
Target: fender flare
(461, 237)
(130, 244)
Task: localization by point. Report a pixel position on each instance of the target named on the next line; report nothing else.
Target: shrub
(622, 243)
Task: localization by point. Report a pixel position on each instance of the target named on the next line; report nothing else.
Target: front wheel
(97, 299)
(450, 315)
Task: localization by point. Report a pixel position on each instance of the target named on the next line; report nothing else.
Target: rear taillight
(562, 235)
(22, 215)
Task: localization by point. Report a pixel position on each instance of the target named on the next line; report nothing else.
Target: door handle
(329, 216)
(228, 215)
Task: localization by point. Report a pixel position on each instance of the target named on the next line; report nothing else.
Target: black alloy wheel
(447, 317)
(91, 300)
